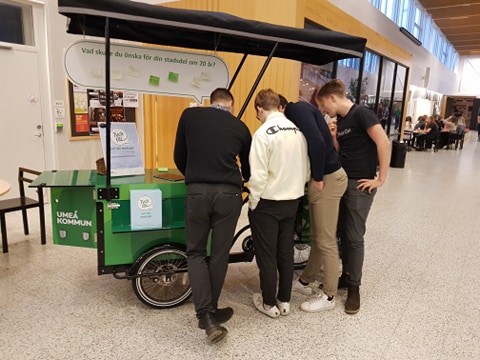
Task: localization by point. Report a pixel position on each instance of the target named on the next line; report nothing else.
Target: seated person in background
(407, 131)
(420, 124)
(426, 136)
(450, 126)
(439, 121)
(408, 123)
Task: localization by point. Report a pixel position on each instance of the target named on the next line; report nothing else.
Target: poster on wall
(87, 107)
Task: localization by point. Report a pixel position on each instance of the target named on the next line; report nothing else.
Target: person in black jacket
(207, 144)
(325, 189)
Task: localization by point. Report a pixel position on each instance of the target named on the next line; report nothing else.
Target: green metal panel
(69, 178)
(124, 245)
(73, 201)
(73, 216)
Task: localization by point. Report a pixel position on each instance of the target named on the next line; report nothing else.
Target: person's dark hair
(283, 101)
(221, 95)
(267, 99)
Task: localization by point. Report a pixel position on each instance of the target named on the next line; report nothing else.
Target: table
(4, 187)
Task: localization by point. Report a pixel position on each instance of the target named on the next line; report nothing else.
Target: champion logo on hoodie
(274, 129)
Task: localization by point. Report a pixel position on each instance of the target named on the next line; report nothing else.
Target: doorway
(21, 123)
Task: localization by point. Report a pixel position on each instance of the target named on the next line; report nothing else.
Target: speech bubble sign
(147, 70)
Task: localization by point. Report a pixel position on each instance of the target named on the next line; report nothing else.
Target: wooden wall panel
(324, 13)
(162, 112)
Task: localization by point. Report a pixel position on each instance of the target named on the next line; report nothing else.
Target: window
(353, 63)
(371, 62)
(370, 79)
(417, 23)
(410, 15)
(16, 23)
(405, 14)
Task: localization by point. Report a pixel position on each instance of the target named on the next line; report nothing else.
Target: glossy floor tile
(420, 291)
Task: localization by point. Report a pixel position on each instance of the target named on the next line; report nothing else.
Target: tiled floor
(420, 292)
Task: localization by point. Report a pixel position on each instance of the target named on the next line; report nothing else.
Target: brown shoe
(352, 305)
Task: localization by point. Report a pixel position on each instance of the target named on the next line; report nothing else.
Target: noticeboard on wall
(87, 109)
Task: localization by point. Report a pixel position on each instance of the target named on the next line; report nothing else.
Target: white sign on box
(145, 209)
(125, 154)
(144, 69)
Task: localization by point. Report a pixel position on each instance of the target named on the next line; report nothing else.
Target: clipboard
(170, 177)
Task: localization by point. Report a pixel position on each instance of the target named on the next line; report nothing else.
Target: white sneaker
(284, 307)
(318, 303)
(273, 312)
(302, 289)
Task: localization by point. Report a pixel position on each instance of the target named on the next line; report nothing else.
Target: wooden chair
(23, 203)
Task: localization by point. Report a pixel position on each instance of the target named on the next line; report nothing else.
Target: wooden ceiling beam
(469, 52)
(458, 22)
(471, 38)
(466, 46)
(459, 11)
(461, 30)
(438, 4)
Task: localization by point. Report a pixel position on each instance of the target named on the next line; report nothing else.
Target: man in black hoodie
(325, 189)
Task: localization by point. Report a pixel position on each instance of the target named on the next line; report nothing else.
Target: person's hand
(369, 184)
(318, 185)
(332, 125)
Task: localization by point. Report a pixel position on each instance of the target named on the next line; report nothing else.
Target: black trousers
(272, 225)
(215, 208)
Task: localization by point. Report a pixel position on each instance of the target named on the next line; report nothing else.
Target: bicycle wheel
(246, 234)
(301, 251)
(163, 280)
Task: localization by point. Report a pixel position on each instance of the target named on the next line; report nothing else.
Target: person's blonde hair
(267, 99)
(333, 87)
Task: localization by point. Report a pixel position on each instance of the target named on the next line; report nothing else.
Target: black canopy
(127, 20)
(207, 30)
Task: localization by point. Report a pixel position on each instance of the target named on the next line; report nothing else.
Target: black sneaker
(215, 332)
(221, 316)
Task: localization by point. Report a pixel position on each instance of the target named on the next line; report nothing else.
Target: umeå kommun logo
(145, 203)
(119, 137)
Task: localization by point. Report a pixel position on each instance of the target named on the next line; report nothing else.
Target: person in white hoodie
(280, 168)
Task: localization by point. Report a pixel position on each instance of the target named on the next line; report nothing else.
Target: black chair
(435, 142)
(23, 203)
(457, 137)
(428, 142)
